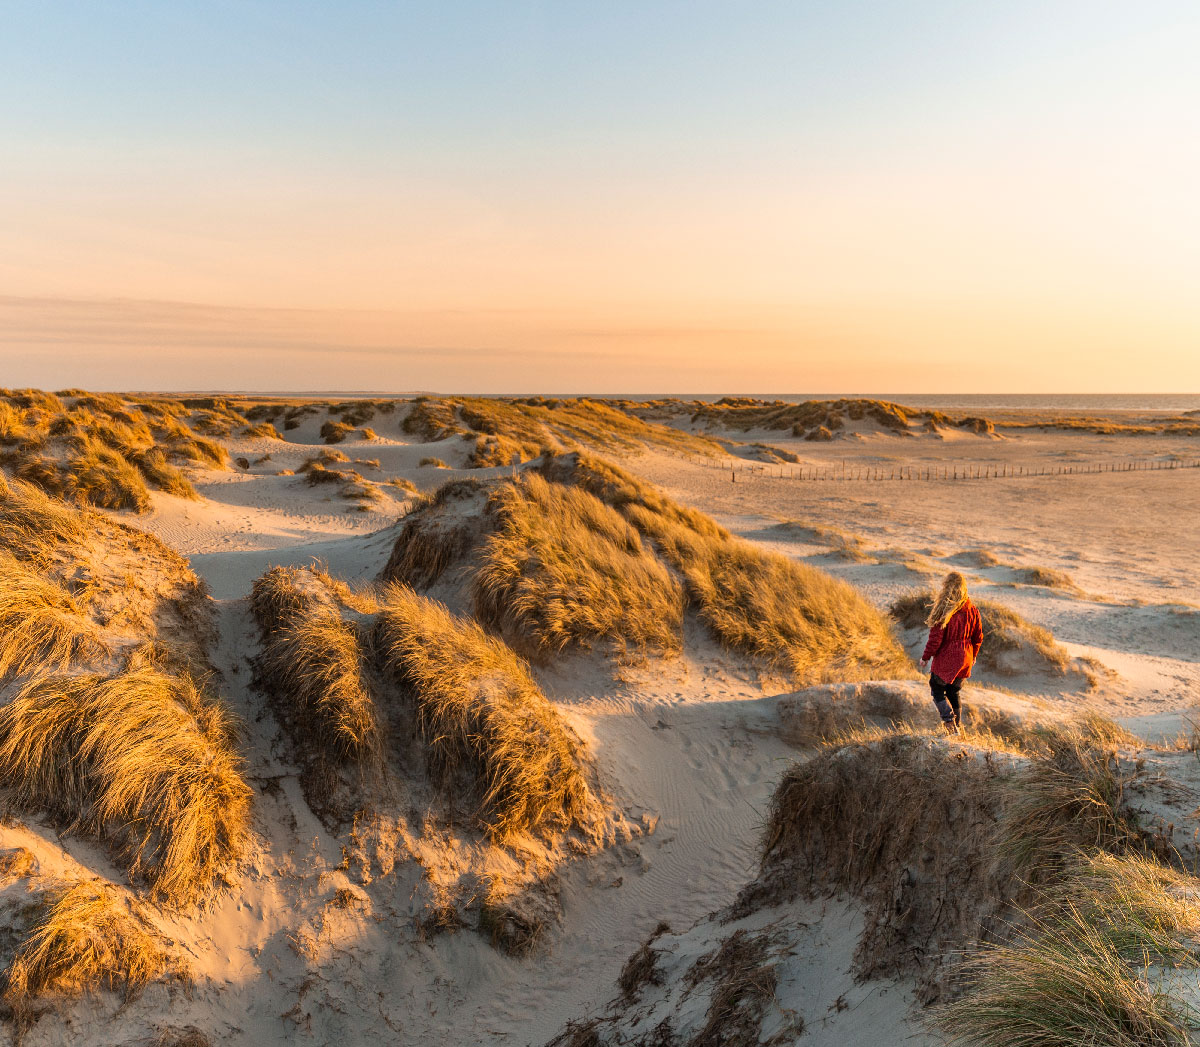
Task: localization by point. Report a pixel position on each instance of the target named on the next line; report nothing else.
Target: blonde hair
(950, 599)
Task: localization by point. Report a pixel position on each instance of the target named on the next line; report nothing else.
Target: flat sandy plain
(689, 745)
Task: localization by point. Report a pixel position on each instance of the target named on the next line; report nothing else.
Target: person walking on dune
(955, 636)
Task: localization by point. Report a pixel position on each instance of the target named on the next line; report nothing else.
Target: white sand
(689, 747)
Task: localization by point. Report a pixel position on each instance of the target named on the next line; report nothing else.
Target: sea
(1082, 403)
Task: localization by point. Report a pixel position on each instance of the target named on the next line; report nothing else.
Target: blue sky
(843, 196)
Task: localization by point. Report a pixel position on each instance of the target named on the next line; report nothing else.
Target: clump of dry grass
(864, 816)
(853, 817)
(87, 937)
(1070, 800)
(803, 418)
(153, 465)
(263, 429)
(1060, 986)
(435, 463)
(574, 555)
(41, 625)
(792, 615)
(316, 474)
(505, 431)
(335, 432)
(641, 969)
(482, 720)
(312, 663)
(432, 420)
(976, 558)
(787, 613)
(32, 522)
(1048, 578)
(439, 532)
(1146, 910)
(327, 456)
(744, 984)
(144, 759)
(101, 450)
(562, 568)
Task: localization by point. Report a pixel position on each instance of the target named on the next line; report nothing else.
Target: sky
(648, 197)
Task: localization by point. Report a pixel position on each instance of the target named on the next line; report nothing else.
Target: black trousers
(945, 697)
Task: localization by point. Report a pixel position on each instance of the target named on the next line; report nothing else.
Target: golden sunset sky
(624, 197)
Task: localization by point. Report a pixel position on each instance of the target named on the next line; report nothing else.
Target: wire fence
(846, 472)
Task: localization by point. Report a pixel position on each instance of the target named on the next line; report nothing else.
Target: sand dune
(377, 896)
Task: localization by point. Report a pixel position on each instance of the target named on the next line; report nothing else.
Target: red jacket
(955, 645)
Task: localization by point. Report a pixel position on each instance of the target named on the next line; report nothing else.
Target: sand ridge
(689, 745)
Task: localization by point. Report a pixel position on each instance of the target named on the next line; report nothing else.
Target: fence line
(929, 473)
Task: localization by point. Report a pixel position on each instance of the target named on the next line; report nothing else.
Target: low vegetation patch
(41, 624)
(86, 937)
(106, 450)
(1089, 963)
(482, 720)
(791, 615)
(335, 432)
(562, 568)
(142, 759)
(579, 551)
(508, 431)
(312, 663)
(932, 875)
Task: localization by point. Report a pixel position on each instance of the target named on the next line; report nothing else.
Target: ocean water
(1081, 403)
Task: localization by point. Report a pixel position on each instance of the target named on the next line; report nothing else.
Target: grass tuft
(483, 720)
(312, 663)
(86, 938)
(1061, 986)
(145, 759)
(41, 626)
(562, 569)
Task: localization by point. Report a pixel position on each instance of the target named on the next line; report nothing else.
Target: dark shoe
(951, 727)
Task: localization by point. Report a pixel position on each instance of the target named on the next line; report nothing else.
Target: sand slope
(690, 747)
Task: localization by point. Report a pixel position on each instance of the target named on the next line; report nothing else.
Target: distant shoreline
(1174, 402)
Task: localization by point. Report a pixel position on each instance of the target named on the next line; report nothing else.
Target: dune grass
(158, 472)
(263, 429)
(562, 569)
(1147, 911)
(105, 450)
(1001, 823)
(144, 759)
(312, 663)
(1070, 800)
(579, 551)
(793, 616)
(1048, 578)
(335, 432)
(41, 625)
(432, 419)
(1061, 986)
(438, 533)
(87, 937)
(483, 720)
(856, 815)
(504, 431)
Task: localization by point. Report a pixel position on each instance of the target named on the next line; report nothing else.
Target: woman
(955, 636)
